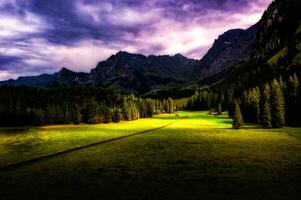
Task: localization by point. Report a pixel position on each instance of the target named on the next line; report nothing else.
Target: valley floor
(198, 157)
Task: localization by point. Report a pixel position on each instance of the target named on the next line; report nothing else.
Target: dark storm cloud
(5, 60)
(45, 35)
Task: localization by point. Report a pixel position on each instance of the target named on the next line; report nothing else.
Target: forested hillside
(272, 104)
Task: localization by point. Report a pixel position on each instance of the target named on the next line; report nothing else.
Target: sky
(42, 36)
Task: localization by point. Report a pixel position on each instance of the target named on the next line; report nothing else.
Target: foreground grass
(200, 157)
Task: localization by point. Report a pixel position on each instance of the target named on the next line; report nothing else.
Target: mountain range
(272, 46)
(140, 74)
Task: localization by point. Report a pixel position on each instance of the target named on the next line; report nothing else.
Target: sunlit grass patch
(19, 144)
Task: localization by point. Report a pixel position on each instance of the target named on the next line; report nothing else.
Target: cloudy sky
(42, 36)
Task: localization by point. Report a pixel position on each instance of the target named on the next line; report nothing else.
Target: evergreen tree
(143, 108)
(245, 105)
(67, 116)
(209, 98)
(125, 110)
(257, 104)
(91, 111)
(282, 85)
(166, 106)
(266, 110)
(108, 115)
(295, 85)
(292, 111)
(219, 109)
(149, 108)
(40, 116)
(230, 101)
(59, 115)
(117, 115)
(36, 116)
(134, 111)
(77, 116)
(170, 105)
(50, 115)
(237, 118)
(298, 107)
(277, 105)
(222, 98)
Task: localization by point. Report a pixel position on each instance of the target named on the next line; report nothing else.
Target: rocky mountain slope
(279, 28)
(228, 51)
(276, 49)
(135, 72)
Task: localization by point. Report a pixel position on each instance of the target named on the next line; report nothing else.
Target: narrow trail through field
(14, 165)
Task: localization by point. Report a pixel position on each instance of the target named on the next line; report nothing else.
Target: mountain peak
(122, 53)
(178, 55)
(65, 70)
(126, 55)
(231, 31)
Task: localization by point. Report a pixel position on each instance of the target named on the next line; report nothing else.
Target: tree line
(273, 104)
(21, 106)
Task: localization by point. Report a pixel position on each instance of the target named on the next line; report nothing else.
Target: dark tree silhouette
(266, 109)
(277, 105)
(237, 118)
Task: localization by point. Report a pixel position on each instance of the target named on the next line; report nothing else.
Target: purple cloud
(43, 36)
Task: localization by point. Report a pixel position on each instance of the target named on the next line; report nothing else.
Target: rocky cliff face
(135, 72)
(278, 25)
(273, 49)
(228, 51)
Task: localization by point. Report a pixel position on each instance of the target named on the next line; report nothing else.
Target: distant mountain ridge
(63, 78)
(129, 72)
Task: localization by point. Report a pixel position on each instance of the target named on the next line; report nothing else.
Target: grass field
(20, 144)
(199, 157)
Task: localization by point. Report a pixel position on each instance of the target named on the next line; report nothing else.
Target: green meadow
(197, 157)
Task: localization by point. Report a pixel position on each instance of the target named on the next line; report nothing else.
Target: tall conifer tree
(277, 105)
(237, 118)
(266, 109)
